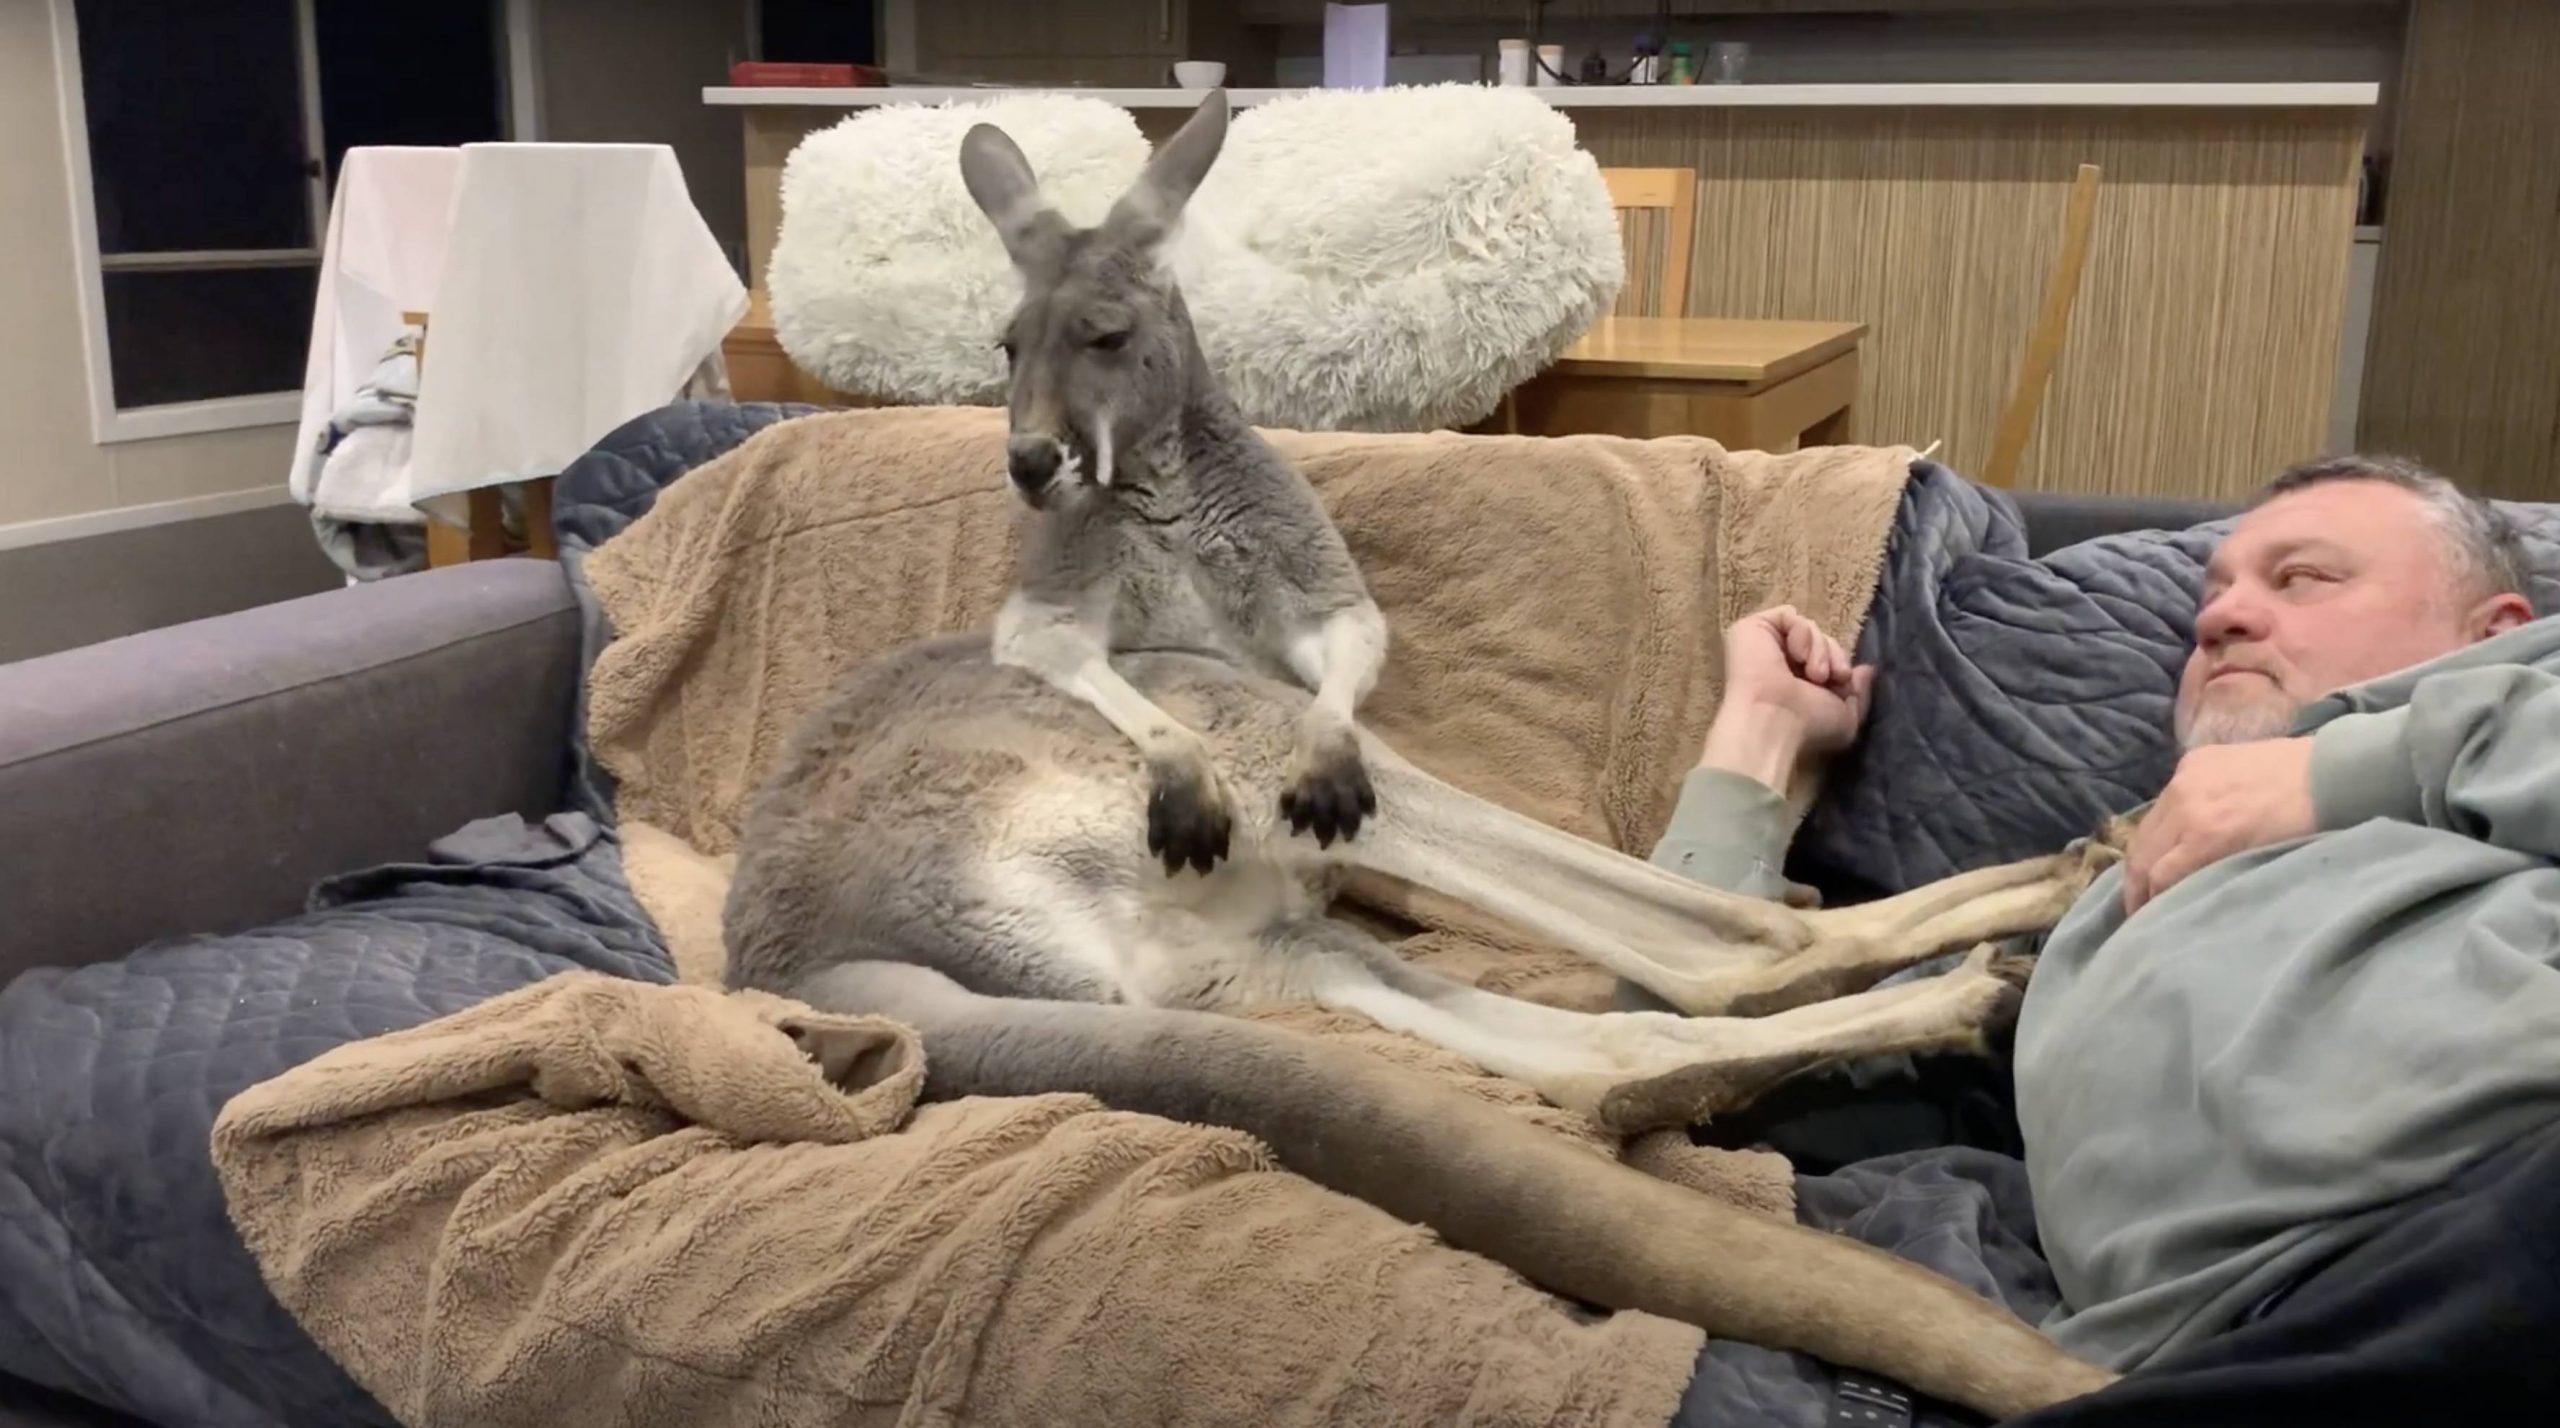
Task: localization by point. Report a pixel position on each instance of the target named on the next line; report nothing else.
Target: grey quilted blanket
(2019, 701)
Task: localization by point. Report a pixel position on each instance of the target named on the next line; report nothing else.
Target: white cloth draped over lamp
(1357, 260)
(567, 288)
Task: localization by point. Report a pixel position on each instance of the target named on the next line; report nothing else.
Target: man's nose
(1032, 461)
(2231, 615)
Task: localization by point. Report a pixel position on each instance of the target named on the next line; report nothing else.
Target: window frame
(110, 423)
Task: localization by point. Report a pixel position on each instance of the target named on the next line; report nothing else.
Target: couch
(203, 778)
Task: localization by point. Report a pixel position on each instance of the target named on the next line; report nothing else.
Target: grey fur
(1162, 520)
(961, 837)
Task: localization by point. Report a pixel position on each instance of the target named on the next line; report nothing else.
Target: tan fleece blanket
(563, 1203)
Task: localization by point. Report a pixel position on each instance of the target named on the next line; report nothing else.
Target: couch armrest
(200, 778)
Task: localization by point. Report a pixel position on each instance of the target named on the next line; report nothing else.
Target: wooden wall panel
(2202, 348)
(2463, 368)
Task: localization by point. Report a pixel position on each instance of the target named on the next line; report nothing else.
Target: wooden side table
(1748, 384)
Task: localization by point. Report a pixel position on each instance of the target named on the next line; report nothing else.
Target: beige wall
(633, 71)
(49, 467)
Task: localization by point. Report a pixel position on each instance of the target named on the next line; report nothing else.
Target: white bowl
(1199, 74)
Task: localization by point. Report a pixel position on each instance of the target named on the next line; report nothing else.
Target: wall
(96, 541)
(633, 71)
(2201, 350)
(49, 466)
(2463, 370)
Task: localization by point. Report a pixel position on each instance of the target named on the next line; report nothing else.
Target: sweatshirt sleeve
(2474, 751)
(1728, 831)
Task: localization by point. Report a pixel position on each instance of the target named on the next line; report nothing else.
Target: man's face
(2316, 590)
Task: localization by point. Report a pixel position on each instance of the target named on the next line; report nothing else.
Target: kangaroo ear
(999, 178)
(1146, 214)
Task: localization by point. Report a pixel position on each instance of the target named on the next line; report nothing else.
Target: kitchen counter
(1660, 96)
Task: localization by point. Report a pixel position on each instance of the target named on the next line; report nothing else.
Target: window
(817, 31)
(204, 143)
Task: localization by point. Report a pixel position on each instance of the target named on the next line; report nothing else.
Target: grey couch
(201, 778)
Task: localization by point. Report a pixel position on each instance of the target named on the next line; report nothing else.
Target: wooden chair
(1658, 247)
(1657, 222)
(2044, 341)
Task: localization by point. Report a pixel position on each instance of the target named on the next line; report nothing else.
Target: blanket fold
(1555, 608)
(595, 1201)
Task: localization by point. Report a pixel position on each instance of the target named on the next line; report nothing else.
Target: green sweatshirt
(2244, 1078)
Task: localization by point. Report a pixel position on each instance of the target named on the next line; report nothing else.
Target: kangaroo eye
(1111, 342)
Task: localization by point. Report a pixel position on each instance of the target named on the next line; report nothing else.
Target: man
(2288, 1080)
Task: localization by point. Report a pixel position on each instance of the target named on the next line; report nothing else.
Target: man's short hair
(2488, 552)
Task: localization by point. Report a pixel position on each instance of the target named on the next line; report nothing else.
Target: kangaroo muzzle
(1033, 462)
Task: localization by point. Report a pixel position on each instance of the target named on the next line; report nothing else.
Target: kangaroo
(1060, 850)
(1171, 523)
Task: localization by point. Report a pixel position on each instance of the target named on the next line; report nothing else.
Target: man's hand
(1780, 660)
(1789, 690)
(2224, 799)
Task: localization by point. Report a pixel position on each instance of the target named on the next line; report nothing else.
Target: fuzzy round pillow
(886, 281)
(1395, 259)
(1373, 260)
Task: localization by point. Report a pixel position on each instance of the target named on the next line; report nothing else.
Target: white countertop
(1669, 96)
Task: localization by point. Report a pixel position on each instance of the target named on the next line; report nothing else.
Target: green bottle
(1684, 70)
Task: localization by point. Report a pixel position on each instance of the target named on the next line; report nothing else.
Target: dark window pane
(190, 336)
(195, 124)
(408, 74)
(819, 31)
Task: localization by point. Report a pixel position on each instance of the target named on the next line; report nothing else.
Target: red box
(786, 74)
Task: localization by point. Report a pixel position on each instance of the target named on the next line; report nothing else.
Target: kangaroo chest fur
(1178, 587)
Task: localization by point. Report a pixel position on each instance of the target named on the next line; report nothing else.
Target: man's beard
(2237, 721)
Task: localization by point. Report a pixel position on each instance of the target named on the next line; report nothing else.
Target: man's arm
(1729, 831)
(1790, 693)
(2475, 751)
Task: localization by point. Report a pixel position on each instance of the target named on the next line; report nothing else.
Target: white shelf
(1661, 96)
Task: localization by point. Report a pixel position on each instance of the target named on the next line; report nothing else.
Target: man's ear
(2499, 614)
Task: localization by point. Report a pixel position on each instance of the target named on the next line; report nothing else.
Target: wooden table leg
(488, 531)
(446, 544)
(538, 539)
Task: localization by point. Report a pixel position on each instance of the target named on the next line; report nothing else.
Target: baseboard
(134, 518)
(135, 575)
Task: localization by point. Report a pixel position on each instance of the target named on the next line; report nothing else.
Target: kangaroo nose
(1033, 462)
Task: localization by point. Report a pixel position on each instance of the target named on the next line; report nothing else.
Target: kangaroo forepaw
(1328, 792)
(1188, 817)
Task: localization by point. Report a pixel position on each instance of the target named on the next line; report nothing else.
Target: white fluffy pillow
(1396, 259)
(1376, 260)
(886, 280)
